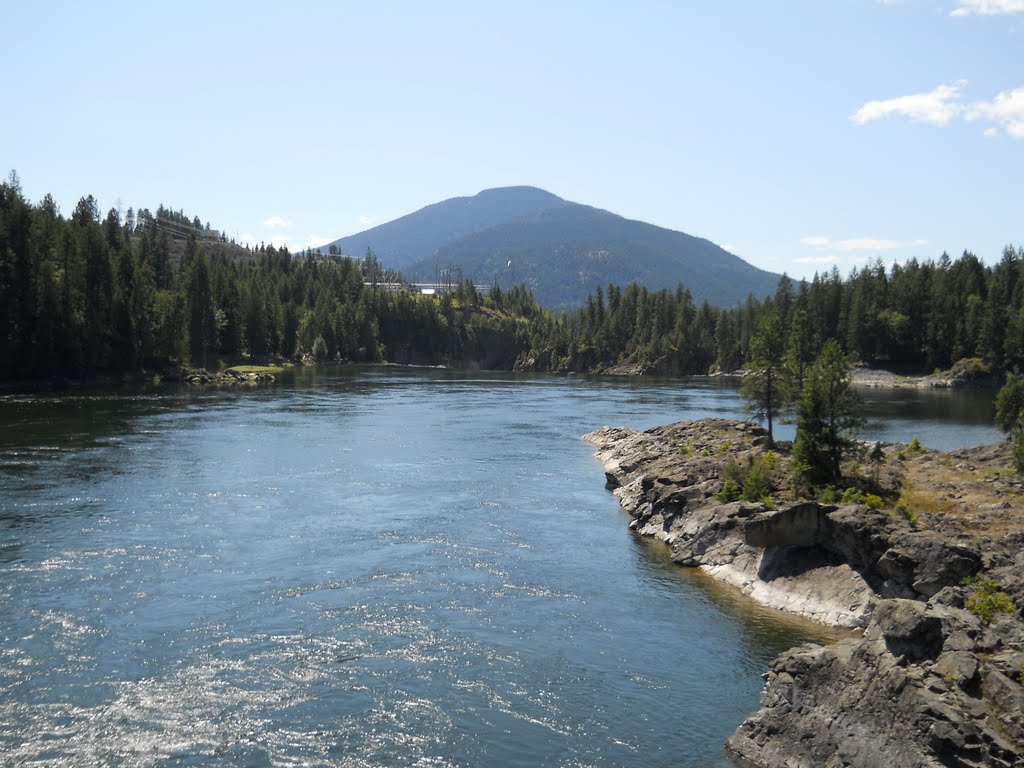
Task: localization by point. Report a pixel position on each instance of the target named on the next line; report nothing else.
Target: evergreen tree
(764, 385)
(800, 351)
(827, 416)
(202, 328)
(1010, 415)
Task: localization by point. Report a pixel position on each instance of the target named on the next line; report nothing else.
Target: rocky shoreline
(928, 683)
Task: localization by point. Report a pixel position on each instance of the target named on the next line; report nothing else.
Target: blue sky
(800, 135)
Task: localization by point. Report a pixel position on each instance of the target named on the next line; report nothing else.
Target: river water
(369, 567)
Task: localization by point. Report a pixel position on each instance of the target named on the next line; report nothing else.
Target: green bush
(972, 367)
(873, 501)
(754, 481)
(987, 599)
(852, 496)
(907, 514)
(730, 492)
(758, 482)
(829, 495)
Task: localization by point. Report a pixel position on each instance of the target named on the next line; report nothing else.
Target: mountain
(411, 238)
(561, 250)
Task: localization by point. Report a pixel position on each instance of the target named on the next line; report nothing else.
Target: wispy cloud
(367, 221)
(1004, 113)
(987, 7)
(728, 247)
(276, 222)
(937, 107)
(859, 244)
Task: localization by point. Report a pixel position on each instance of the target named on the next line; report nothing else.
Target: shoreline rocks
(229, 376)
(928, 683)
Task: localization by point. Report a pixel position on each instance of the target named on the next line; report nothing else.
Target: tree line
(91, 294)
(913, 318)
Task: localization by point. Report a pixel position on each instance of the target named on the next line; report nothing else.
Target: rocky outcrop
(203, 376)
(928, 683)
(826, 562)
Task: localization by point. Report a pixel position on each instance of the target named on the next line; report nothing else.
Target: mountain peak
(560, 249)
(408, 239)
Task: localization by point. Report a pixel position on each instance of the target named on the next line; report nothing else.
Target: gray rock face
(899, 696)
(928, 684)
(829, 563)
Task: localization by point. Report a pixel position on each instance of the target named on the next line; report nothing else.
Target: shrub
(972, 368)
(754, 481)
(873, 501)
(829, 495)
(852, 496)
(987, 599)
(907, 514)
(758, 482)
(730, 492)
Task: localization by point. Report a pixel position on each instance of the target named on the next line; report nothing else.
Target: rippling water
(366, 567)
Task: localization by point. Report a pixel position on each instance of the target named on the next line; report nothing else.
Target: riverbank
(929, 682)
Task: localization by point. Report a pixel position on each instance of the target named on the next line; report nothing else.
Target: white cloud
(1006, 111)
(988, 7)
(247, 238)
(728, 247)
(367, 221)
(276, 222)
(937, 107)
(859, 244)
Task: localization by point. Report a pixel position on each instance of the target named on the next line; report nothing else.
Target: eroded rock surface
(928, 684)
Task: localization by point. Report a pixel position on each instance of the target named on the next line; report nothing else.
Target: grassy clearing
(923, 501)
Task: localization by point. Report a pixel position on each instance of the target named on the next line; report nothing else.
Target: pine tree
(202, 329)
(764, 385)
(827, 417)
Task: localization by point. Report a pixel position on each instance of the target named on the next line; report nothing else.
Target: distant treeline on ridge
(91, 295)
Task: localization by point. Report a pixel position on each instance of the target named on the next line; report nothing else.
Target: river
(369, 567)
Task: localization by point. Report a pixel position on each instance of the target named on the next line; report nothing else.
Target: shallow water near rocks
(368, 567)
